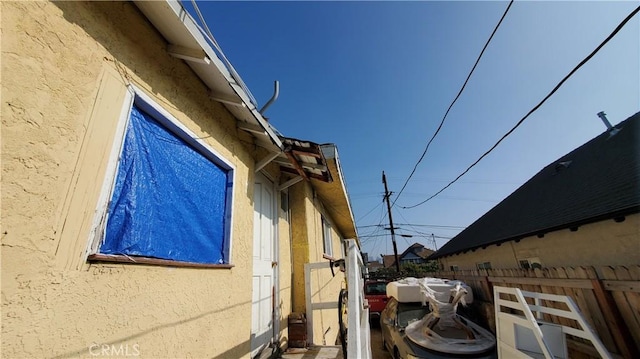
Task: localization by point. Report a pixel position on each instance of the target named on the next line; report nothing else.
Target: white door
(263, 270)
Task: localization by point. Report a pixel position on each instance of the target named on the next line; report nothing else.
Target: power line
(368, 213)
(430, 225)
(535, 108)
(454, 100)
(208, 35)
(415, 225)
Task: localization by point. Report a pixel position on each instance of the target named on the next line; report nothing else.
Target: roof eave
(335, 192)
(185, 41)
(604, 217)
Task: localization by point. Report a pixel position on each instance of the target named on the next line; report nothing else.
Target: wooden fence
(608, 297)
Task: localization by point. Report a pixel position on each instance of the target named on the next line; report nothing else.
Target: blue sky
(375, 78)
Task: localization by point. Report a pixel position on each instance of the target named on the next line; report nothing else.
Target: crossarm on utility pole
(393, 233)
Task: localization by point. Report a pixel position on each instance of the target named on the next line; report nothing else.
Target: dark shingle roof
(388, 260)
(597, 181)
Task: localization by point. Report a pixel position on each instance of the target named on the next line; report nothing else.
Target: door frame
(268, 180)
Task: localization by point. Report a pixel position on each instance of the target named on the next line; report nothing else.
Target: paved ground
(335, 352)
(314, 352)
(377, 352)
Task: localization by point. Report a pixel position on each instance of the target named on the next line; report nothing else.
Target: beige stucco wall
(306, 222)
(605, 243)
(299, 195)
(59, 62)
(285, 263)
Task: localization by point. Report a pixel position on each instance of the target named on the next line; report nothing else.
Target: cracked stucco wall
(59, 62)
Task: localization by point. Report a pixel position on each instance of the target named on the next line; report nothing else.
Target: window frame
(531, 263)
(327, 237)
(144, 102)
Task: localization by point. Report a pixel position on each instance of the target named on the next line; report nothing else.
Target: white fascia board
(180, 29)
(330, 151)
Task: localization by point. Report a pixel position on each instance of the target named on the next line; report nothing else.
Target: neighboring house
(374, 266)
(582, 209)
(388, 261)
(415, 253)
(148, 208)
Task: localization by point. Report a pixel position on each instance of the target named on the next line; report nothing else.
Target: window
(326, 237)
(454, 268)
(169, 196)
(284, 201)
(375, 288)
(530, 263)
(483, 265)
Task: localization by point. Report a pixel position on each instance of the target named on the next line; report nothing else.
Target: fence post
(615, 322)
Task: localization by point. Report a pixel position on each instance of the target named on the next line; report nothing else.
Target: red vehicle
(375, 291)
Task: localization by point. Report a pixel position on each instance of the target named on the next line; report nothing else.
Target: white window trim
(327, 229)
(531, 261)
(136, 96)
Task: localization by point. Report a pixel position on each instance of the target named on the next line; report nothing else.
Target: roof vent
(603, 117)
(562, 165)
(612, 130)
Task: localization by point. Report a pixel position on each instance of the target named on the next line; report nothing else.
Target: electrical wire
(207, 34)
(368, 213)
(378, 236)
(431, 225)
(454, 100)
(535, 108)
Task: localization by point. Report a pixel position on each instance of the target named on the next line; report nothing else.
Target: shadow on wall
(137, 47)
(105, 23)
(238, 351)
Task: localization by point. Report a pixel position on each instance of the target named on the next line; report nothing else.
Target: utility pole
(393, 233)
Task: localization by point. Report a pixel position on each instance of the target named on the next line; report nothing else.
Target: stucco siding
(325, 287)
(56, 58)
(307, 232)
(299, 202)
(285, 264)
(605, 243)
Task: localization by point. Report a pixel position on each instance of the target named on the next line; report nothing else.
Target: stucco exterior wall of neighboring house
(605, 243)
(307, 239)
(65, 68)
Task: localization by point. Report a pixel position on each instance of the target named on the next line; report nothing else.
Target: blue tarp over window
(168, 201)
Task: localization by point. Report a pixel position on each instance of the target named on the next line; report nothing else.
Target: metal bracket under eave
(245, 126)
(187, 54)
(227, 99)
(265, 161)
(290, 183)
